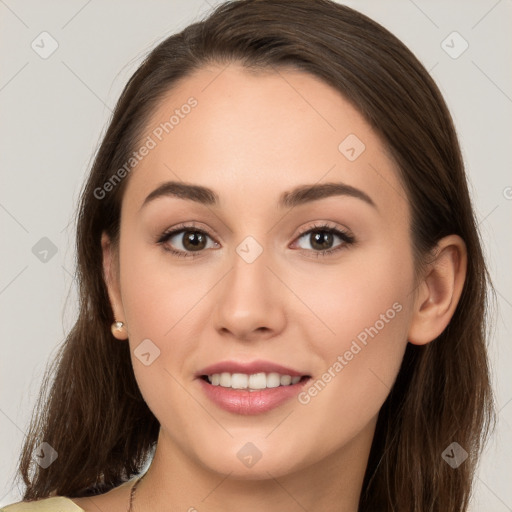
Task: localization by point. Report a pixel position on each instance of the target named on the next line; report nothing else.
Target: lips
(246, 401)
(249, 368)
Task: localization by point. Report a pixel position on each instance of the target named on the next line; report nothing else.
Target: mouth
(250, 388)
(253, 382)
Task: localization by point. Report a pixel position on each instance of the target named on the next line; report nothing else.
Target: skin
(252, 136)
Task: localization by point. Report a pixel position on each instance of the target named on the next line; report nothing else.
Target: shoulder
(55, 504)
(114, 500)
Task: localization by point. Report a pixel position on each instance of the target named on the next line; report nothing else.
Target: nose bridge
(249, 271)
(248, 300)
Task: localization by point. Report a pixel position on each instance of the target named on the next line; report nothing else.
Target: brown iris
(194, 240)
(321, 240)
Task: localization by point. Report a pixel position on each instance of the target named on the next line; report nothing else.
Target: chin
(255, 459)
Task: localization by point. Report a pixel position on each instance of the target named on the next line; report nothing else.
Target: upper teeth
(251, 382)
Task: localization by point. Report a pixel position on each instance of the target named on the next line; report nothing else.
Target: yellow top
(55, 504)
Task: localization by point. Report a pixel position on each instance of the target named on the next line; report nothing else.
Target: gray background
(54, 110)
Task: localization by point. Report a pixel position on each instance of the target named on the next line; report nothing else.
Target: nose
(250, 302)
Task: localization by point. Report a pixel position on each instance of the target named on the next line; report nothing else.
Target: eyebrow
(289, 199)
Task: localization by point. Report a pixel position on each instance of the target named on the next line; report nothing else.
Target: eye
(184, 241)
(189, 241)
(322, 239)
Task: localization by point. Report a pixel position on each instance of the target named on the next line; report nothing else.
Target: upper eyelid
(186, 227)
(324, 225)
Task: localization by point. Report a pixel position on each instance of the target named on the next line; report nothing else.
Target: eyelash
(347, 238)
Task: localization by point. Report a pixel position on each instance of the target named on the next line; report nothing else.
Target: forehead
(256, 134)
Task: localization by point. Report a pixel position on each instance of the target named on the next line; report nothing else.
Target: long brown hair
(92, 413)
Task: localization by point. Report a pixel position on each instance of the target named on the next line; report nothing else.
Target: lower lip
(242, 401)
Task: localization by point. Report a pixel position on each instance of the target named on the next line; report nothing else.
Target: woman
(283, 293)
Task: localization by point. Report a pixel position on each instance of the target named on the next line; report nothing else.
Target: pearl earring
(118, 329)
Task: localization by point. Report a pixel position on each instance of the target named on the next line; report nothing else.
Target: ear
(439, 292)
(111, 276)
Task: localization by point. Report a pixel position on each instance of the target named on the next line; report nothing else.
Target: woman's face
(276, 273)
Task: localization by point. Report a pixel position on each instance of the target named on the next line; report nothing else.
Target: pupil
(321, 240)
(194, 240)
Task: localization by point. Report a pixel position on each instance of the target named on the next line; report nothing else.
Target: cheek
(367, 309)
(363, 291)
(161, 303)
(158, 303)
(158, 298)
